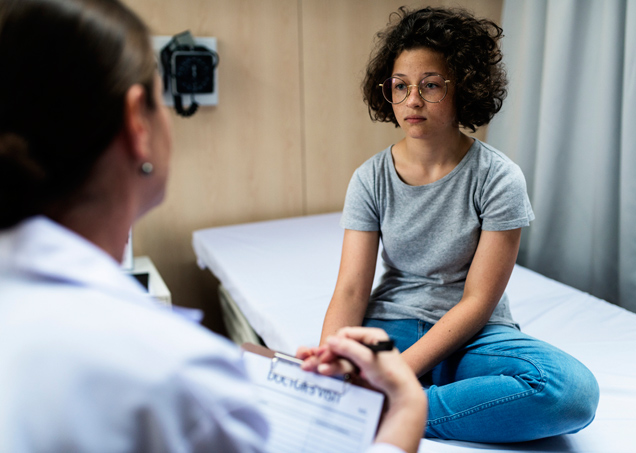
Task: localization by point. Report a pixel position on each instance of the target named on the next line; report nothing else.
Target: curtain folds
(570, 123)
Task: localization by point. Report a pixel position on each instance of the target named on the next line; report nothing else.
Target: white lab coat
(88, 363)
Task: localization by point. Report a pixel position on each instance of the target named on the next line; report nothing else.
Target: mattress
(279, 276)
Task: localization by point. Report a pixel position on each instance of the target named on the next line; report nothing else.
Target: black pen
(380, 345)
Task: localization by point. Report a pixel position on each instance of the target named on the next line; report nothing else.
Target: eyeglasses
(432, 89)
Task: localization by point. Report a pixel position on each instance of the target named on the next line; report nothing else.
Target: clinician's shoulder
(101, 329)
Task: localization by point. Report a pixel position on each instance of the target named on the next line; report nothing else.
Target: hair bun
(21, 180)
(12, 143)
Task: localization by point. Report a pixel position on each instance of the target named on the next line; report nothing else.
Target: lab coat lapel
(45, 249)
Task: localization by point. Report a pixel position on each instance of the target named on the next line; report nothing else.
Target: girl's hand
(315, 356)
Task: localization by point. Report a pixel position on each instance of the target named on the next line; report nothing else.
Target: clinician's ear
(136, 126)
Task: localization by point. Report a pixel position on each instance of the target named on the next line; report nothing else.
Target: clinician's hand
(404, 422)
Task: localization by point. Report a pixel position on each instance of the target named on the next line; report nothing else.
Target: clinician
(87, 362)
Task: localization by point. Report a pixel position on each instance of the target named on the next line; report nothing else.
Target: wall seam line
(301, 84)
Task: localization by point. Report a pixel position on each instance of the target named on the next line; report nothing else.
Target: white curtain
(570, 122)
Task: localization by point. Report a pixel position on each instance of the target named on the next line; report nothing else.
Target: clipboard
(309, 412)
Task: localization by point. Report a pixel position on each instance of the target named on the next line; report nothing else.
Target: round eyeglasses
(432, 89)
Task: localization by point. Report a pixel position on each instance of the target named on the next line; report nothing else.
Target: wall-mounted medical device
(188, 68)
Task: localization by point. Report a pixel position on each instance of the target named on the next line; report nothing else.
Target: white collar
(45, 249)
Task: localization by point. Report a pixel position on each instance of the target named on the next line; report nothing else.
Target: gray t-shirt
(430, 233)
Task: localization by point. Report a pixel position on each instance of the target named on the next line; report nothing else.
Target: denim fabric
(502, 386)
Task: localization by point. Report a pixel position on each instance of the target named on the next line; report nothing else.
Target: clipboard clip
(286, 358)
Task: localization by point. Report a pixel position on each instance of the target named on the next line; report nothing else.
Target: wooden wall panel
(339, 136)
(239, 161)
(289, 130)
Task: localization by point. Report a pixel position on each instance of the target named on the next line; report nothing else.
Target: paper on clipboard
(309, 412)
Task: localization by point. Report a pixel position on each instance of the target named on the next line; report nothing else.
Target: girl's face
(420, 119)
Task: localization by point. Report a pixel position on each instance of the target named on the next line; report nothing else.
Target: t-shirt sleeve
(360, 211)
(504, 201)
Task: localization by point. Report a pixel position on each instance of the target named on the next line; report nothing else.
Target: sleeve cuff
(384, 448)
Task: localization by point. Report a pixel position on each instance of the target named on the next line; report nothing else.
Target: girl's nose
(414, 99)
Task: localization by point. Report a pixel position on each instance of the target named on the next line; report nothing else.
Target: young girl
(449, 210)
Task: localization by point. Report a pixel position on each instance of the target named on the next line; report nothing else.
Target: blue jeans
(502, 386)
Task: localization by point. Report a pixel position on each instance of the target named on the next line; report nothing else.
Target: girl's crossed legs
(502, 386)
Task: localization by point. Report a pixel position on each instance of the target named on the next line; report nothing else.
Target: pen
(380, 345)
(386, 345)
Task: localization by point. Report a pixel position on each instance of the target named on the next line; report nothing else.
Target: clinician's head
(67, 68)
(469, 47)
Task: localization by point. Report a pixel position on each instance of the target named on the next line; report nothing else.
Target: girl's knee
(584, 397)
(575, 397)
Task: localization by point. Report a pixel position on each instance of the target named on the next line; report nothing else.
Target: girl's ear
(136, 127)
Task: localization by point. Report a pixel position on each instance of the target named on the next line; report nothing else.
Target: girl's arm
(355, 279)
(486, 281)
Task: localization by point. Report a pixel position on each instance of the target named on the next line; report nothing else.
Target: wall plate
(158, 43)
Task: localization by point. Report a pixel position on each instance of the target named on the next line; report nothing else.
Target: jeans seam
(507, 399)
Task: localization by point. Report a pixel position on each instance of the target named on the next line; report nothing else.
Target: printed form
(313, 413)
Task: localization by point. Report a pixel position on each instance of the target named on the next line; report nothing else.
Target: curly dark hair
(470, 48)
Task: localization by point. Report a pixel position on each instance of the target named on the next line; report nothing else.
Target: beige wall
(289, 130)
